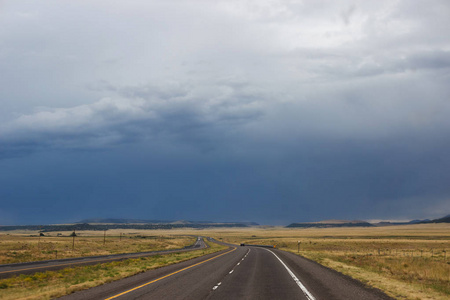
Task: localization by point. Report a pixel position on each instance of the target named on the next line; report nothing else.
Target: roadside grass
(25, 247)
(400, 274)
(52, 284)
(407, 262)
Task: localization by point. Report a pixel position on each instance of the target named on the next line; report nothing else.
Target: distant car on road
(242, 244)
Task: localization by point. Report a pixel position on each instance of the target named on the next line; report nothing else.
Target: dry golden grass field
(407, 262)
(28, 246)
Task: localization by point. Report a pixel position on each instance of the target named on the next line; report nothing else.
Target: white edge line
(302, 287)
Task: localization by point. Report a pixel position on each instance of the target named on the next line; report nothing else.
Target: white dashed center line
(217, 285)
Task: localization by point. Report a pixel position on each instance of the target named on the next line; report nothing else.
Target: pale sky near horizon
(268, 111)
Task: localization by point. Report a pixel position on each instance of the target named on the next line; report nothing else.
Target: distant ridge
(105, 224)
(142, 221)
(388, 223)
(339, 222)
(359, 223)
(122, 221)
(445, 219)
(331, 223)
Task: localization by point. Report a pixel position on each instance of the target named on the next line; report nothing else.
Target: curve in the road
(297, 281)
(240, 273)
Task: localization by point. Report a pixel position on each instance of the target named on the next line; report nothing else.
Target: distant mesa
(109, 223)
(160, 222)
(121, 221)
(388, 223)
(445, 219)
(341, 222)
(359, 223)
(331, 223)
(418, 221)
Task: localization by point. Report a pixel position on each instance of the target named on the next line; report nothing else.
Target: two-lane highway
(237, 273)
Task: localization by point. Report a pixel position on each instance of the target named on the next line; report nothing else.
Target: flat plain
(406, 262)
(23, 246)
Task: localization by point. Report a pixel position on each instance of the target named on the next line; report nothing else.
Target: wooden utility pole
(73, 240)
(104, 237)
(39, 240)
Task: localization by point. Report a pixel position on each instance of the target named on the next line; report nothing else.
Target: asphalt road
(9, 270)
(237, 273)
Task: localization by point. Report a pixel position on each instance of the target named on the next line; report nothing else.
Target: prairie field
(16, 247)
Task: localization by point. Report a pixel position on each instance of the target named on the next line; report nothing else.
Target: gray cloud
(137, 113)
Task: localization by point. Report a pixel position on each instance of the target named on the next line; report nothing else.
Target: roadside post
(73, 240)
(39, 240)
(298, 246)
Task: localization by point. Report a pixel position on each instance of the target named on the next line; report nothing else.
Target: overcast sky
(266, 111)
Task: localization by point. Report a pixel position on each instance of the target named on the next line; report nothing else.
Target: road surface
(47, 265)
(237, 273)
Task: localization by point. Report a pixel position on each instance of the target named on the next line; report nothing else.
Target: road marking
(168, 275)
(217, 285)
(302, 287)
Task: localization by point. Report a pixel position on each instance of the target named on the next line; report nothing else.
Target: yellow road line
(168, 275)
